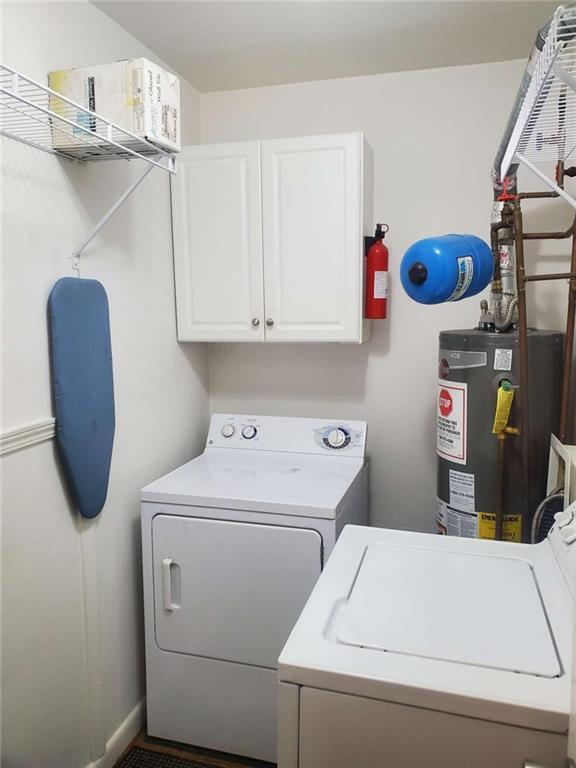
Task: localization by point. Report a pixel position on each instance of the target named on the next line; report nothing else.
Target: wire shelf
(40, 117)
(545, 131)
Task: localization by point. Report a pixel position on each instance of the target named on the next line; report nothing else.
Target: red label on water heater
(445, 402)
(451, 418)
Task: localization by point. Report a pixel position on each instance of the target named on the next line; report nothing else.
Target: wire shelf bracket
(35, 115)
(545, 131)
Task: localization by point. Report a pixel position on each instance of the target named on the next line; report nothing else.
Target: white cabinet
(268, 239)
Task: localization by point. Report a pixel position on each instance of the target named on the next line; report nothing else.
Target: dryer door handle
(171, 584)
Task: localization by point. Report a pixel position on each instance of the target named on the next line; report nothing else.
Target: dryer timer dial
(337, 437)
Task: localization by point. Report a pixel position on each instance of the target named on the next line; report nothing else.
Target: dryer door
(229, 590)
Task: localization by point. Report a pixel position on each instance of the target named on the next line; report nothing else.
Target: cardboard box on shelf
(135, 94)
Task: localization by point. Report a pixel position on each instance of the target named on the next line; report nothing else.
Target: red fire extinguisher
(377, 276)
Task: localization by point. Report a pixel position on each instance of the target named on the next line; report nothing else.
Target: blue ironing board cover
(83, 388)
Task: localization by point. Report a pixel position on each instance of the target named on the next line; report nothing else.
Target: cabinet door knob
(269, 322)
(255, 322)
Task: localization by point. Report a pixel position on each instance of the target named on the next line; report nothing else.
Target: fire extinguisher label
(451, 421)
(465, 275)
(380, 285)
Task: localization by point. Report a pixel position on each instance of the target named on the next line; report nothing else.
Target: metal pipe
(560, 172)
(553, 276)
(496, 272)
(500, 472)
(549, 235)
(567, 363)
(502, 303)
(523, 359)
(536, 195)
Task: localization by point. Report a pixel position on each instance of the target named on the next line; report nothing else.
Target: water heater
(472, 366)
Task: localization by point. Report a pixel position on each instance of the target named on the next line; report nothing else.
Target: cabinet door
(312, 233)
(217, 228)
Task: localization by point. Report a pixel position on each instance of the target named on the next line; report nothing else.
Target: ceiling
(231, 45)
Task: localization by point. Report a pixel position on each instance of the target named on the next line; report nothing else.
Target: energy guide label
(511, 526)
(475, 525)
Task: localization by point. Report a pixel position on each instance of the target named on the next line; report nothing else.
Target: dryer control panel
(287, 434)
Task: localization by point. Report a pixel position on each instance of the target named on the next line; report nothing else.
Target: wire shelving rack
(545, 130)
(33, 114)
(36, 115)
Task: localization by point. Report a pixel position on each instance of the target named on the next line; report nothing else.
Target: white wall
(161, 404)
(434, 135)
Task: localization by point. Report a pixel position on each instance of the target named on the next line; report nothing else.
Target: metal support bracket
(564, 75)
(559, 191)
(75, 256)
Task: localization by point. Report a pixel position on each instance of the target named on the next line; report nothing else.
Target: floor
(203, 758)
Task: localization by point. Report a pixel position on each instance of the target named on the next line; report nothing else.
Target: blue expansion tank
(446, 268)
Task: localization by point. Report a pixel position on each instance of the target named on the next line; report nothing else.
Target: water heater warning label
(462, 491)
(451, 414)
(452, 522)
(502, 359)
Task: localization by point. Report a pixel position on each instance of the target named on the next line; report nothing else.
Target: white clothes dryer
(233, 543)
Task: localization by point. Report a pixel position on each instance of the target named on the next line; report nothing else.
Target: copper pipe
(568, 350)
(523, 359)
(500, 471)
(551, 276)
(535, 195)
(560, 174)
(549, 235)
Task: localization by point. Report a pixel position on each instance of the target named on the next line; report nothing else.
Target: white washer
(233, 543)
(422, 650)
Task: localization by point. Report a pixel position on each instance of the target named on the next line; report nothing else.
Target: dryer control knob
(227, 430)
(563, 518)
(249, 432)
(337, 438)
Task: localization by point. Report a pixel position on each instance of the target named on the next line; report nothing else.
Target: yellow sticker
(503, 406)
(511, 526)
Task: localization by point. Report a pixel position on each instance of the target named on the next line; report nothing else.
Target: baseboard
(122, 736)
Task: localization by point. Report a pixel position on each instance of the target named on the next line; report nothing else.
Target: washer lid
(482, 610)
